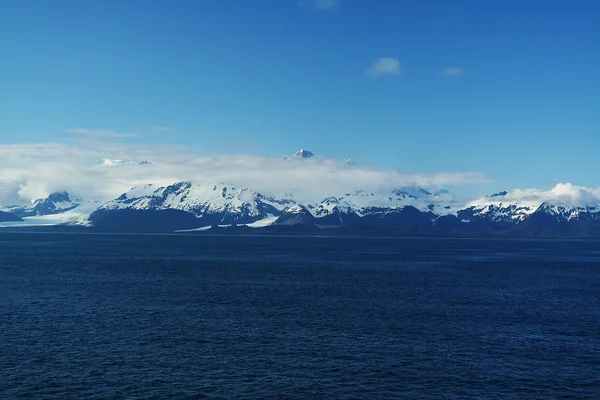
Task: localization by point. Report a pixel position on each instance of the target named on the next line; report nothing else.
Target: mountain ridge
(564, 210)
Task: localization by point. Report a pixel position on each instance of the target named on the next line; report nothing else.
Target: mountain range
(55, 203)
(198, 206)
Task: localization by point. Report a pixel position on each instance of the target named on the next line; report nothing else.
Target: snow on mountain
(57, 209)
(187, 205)
(295, 209)
(303, 154)
(55, 203)
(564, 201)
(300, 154)
(295, 215)
(226, 202)
(192, 203)
(360, 208)
(366, 203)
(72, 217)
(571, 212)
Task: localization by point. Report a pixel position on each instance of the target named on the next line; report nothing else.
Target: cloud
(100, 133)
(452, 72)
(560, 194)
(321, 4)
(384, 66)
(32, 171)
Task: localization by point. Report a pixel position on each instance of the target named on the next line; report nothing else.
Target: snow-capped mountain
(200, 199)
(407, 211)
(410, 210)
(299, 155)
(58, 208)
(197, 204)
(566, 213)
(295, 215)
(209, 203)
(303, 154)
(364, 203)
(516, 207)
(201, 204)
(563, 211)
(55, 203)
(375, 208)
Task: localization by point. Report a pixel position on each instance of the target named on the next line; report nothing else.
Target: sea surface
(194, 316)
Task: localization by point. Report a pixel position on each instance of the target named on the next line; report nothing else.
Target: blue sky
(509, 89)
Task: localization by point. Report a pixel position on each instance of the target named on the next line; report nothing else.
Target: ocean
(112, 316)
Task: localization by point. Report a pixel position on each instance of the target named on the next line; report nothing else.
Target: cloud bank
(101, 170)
(561, 194)
(384, 66)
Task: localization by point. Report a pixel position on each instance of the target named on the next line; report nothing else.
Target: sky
(493, 95)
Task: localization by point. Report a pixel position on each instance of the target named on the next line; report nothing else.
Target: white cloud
(452, 72)
(321, 4)
(100, 133)
(32, 171)
(384, 66)
(560, 194)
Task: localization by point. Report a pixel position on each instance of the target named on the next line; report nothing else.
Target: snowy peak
(302, 153)
(331, 206)
(364, 202)
(566, 202)
(295, 215)
(55, 203)
(225, 203)
(566, 213)
(58, 197)
(221, 204)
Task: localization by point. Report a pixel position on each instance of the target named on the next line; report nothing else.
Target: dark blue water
(126, 316)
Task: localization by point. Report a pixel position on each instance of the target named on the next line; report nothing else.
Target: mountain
(384, 208)
(187, 205)
(303, 154)
(192, 205)
(59, 208)
(508, 209)
(295, 215)
(300, 154)
(562, 212)
(562, 221)
(557, 213)
(499, 208)
(554, 213)
(366, 203)
(55, 203)
(8, 217)
(405, 211)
